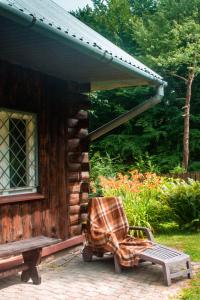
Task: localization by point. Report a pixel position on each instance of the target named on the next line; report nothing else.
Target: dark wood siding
(63, 155)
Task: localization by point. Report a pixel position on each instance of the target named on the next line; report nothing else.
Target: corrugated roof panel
(111, 60)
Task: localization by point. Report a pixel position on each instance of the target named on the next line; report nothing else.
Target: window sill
(21, 198)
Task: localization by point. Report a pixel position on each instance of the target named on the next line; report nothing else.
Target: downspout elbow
(160, 91)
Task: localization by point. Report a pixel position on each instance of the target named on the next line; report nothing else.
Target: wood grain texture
(75, 230)
(62, 123)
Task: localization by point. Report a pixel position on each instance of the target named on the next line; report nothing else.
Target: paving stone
(67, 277)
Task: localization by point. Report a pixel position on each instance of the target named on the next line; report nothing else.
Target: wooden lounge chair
(107, 230)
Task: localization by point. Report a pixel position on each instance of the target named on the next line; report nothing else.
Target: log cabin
(49, 63)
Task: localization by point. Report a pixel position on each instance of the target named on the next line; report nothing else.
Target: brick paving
(67, 277)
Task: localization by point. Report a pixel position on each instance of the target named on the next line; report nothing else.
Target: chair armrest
(146, 230)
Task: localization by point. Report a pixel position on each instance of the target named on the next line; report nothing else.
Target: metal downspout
(137, 110)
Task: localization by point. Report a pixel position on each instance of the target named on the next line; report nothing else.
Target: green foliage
(164, 34)
(136, 206)
(184, 200)
(177, 170)
(104, 166)
(145, 163)
(141, 197)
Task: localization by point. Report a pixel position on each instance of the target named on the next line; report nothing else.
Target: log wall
(63, 156)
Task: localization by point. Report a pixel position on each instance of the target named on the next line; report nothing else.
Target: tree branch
(180, 77)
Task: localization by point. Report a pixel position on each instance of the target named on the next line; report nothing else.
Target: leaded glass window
(18, 152)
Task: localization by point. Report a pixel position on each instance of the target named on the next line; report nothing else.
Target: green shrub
(184, 200)
(141, 197)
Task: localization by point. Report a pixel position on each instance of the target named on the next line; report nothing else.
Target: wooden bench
(31, 250)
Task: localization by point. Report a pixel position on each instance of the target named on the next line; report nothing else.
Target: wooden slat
(44, 159)
(21, 198)
(36, 217)
(16, 261)
(16, 248)
(6, 224)
(17, 228)
(53, 178)
(62, 181)
(26, 220)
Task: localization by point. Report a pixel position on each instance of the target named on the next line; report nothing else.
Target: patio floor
(66, 276)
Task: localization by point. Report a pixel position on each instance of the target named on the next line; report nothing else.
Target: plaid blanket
(108, 228)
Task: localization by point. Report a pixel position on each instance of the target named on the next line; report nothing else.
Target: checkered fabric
(108, 228)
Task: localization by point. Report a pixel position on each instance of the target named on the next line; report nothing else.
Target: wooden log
(78, 176)
(73, 144)
(75, 230)
(74, 219)
(74, 199)
(78, 187)
(78, 157)
(72, 122)
(82, 115)
(77, 133)
(74, 210)
(77, 145)
(74, 166)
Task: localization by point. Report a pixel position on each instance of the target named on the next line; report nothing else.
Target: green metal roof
(43, 36)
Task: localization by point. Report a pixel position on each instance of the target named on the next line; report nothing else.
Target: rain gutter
(137, 110)
(30, 21)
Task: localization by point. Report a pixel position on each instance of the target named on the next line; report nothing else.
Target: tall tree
(170, 39)
(159, 131)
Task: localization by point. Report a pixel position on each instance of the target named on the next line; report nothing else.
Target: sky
(73, 4)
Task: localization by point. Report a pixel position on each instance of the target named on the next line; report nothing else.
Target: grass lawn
(190, 244)
(186, 242)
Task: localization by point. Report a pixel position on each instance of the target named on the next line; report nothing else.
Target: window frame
(23, 115)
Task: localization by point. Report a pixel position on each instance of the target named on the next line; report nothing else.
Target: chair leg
(87, 254)
(189, 268)
(117, 265)
(166, 273)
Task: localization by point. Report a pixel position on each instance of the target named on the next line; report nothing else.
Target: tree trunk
(186, 132)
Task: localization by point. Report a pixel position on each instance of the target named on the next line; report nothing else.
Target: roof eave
(29, 20)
